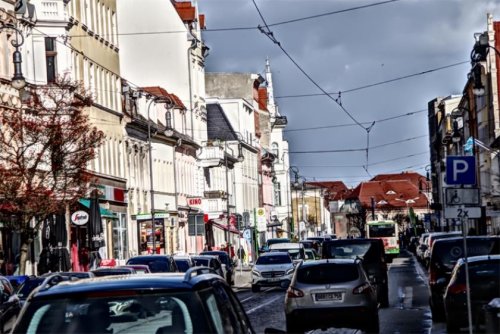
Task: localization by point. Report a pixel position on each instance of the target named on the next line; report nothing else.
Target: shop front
(216, 233)
(151, 238)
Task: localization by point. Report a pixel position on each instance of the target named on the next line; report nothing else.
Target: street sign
(247, 234)
(460, 170)
(454, 212)
(261, 220)
(462, 196)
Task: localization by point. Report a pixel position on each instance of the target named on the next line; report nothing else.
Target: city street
(408, 296)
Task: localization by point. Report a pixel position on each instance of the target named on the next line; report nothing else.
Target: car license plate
(274, 279)
(328, 296)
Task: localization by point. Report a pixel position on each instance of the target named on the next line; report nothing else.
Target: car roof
(328, 261)
(155, 281)
(274, 253)
(479, 258)
(352, 241)
(286, 245)
(151, 256)
(205, 256)
(214, 253)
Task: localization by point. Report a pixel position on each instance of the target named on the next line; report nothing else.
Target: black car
(9, 305)
(226, 261)
(484, 283)
(371, 251)
(183, 262)
(197, 301)
(99, 272)
(156, 263)
(210, 261)
(444, 255)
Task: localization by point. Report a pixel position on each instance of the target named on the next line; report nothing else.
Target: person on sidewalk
(241, 255)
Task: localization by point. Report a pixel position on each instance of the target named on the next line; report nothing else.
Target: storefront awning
(104, 212)
(222, 224)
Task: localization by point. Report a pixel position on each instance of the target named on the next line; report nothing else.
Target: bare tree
(45, 148)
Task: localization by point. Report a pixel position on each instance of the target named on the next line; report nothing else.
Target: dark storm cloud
(346, 51)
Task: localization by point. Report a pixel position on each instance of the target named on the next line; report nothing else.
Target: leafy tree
(45, 147)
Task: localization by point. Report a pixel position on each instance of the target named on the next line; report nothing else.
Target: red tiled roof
(187, 12)
(338, 190)
(413, 177)
(161, 92)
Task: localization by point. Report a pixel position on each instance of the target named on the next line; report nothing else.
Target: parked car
(227, 264)
(157, 263)
(331, 293)
(17, 280)
(196, 302)
(272, 241)
(9, 305)
(484, 283)
(99, 272)
(371, 251)
(210, 261)
(432, 238)
(294, 249)
(272, 269)
(138, 268)
(183, 262)
(444, 255)
(422, 246)
(311, 254)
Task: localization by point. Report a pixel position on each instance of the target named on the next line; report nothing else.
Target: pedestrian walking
(241, 254)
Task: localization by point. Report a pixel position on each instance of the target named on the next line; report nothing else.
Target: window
(120, 241)
(50, 58)
(276, 151)
(277, 194)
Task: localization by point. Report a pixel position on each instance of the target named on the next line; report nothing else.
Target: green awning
(104, 212)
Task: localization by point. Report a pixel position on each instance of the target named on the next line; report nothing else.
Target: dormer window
(391, 192)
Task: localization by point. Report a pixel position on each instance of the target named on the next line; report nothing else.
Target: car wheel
(373, 325)
(384, 301)
(255, 288)
(293, 327)
(452, 326)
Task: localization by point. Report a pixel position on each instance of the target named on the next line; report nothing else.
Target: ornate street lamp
(18, 81)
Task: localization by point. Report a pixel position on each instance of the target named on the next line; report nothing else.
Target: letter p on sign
(460, 170)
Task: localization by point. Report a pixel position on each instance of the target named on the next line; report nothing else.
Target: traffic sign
(460, 170)
(454, 212)
(462, 196)
(247, 234)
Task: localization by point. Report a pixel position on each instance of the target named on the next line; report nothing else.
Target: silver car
(331, 293)
(272, 269)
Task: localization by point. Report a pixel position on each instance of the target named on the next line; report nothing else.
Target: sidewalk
(243, 278)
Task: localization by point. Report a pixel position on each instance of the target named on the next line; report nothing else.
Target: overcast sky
(345, 51)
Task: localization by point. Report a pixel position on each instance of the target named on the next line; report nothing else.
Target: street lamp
(18, 81)
(168, 104)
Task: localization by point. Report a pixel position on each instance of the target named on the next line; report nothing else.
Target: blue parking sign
(461, 170)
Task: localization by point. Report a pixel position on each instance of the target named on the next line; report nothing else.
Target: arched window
(276, 150)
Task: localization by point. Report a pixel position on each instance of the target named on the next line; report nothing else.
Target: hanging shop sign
(80, 218)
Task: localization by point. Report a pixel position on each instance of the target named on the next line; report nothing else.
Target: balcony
(211, 156)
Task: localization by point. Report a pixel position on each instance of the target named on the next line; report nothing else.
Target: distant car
(183, 262)
(331, 293)
(273, 241)
(272, 269)
(195, 302)
(9, 305)
(17, 280)
(294, 249)
(139, 268)
(484, 280)
(311, 254)
(156, 263)
(372, 252)
(99, 272)
(30, 284)
(210, 261)
(445, 254)
(432, 238)
(227, 262)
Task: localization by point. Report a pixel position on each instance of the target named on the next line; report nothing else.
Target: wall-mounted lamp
(478, 87)
(241, 157)
(18, 81)
(169, 132)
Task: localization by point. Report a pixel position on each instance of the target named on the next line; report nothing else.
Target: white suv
(272, 269)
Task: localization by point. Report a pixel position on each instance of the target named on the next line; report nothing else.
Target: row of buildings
(188, 155)
(468, 124)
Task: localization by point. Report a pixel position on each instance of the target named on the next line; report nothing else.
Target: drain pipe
(193, 46)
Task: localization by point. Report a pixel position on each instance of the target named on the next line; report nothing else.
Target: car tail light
(457, 288)
(294, 293)
(363, 288)
(432, 277)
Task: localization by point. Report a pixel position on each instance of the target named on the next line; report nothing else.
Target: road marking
(262, 305)
(244, 300)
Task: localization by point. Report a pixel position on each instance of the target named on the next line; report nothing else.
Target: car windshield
(481, 272)
(223, 257)
(156, 265)
(309, 254)
(327, 273)
(28, 286)
(379, 231)
(124, 312)
(348, 251)
(200, 262)
(182, 265)
(274, 259)
(445, 253)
